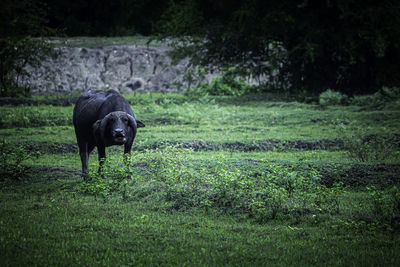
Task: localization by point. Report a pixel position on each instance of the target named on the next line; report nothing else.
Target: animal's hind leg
(83, 152)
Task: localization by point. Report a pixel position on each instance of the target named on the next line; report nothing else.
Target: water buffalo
(102, 119)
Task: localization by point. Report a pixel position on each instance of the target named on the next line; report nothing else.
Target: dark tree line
(308, 45)
(104, 17)
(346, 45)
(21, 25)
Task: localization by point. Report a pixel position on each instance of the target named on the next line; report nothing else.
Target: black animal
(103, 119)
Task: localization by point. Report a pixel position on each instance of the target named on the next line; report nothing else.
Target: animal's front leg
(128, 146)
(128, 160)
(102, 157)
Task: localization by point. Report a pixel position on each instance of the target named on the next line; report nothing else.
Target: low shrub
(365, 147)
(386, 204)
(228, 84)
(382, 212)
(165, 176)
(374, 100)
(111, 179)
(12, 159)
(386, 97)
(331, 98)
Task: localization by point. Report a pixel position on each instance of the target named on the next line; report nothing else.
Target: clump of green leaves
(386, 204)
(193, 78)
(111, 178)
(365, 147)
(386, 97)
(16, 54)
(382, 212)
(229, 83)
(165, 177)
(12, 161)
(21, 28)
(286, 191)
(331, 98)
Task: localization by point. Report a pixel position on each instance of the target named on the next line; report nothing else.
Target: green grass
(48, 216)
(62, 228)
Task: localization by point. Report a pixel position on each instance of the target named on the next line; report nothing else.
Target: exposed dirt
(9, 101)
(267, 145)
(51, 148)
(55, 173)
(361, 175)
(62, 101)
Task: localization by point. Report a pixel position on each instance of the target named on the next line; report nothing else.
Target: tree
(104, 17)
(21, 27)
(313, 45)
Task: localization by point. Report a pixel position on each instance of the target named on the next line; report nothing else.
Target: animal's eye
(125, 120)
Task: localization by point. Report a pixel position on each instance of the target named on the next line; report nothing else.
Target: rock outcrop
(124, 68)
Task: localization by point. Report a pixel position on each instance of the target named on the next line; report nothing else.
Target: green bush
(386, 204)
(11, 161)
(193, 78)
(113, 178)
(21, 43)
(385, 97)
(383, 212)
(331, 98)
(374, 100)
(390, 93)
(365, 147)
(168, 180)
(229, 83)
(293, 193)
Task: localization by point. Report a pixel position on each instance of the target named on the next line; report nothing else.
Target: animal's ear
(134, 123)
(140, 124)
(131, 121)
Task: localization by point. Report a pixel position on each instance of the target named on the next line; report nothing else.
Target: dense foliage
(267, 192)
(302, 46)
(103, 17)
(352, 46)
(21, 26)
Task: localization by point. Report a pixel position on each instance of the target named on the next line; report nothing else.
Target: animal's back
(89, 102)
(95, 105)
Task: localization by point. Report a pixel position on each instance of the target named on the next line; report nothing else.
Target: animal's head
(116, 128)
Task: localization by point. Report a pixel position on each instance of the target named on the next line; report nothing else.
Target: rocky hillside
(133, 68)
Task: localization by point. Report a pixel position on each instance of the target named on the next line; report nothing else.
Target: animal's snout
(119, 133)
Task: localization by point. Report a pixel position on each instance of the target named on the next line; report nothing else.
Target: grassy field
(251, 180)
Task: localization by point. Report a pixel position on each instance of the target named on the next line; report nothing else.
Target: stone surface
(124, 68)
